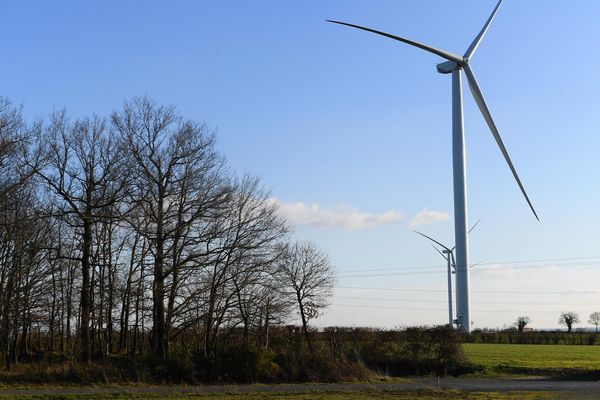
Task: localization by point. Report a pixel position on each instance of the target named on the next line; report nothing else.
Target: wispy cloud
(428, 217)
(340, 217)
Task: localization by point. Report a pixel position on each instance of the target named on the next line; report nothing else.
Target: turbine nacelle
(447, 67)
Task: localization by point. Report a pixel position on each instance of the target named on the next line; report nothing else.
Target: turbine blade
(442, 53)
(476, 223)
(478, 96)
(433, 240)
(471, 50)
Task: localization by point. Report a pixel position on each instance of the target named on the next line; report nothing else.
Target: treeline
(507, 337)
(129, 235)
(332, 355)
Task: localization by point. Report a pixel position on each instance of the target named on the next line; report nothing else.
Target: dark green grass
(560, 361)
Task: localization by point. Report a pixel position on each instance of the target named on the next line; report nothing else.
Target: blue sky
(352, 131)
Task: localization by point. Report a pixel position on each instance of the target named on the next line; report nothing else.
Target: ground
(528, 372)
(383, 395)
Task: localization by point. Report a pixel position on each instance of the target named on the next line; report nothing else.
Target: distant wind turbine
(448, 255)
(455, 65)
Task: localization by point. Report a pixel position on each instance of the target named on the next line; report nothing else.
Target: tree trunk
(6, 310)
(158, 290)
(267, 317)
(303, 317)
(126, 300)
(84, 334)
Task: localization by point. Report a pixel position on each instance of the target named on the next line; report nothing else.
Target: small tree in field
(522, 323)
(306, 278)
(595, 319)
(568, 319)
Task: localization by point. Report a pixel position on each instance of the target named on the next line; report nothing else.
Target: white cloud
(340, 217)
(428, 217)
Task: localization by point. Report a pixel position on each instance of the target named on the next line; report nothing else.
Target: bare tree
(273, 309)
(136, 245)
(18, 159)
(25, 274)
(522, 323)
(243, 245)
(307, 278)
(177, 181)
(85, 172)
(568, 319)
(595, 319)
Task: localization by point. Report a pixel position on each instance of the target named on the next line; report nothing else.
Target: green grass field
(553, 360)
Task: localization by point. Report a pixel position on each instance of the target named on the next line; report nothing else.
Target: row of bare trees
(567, 318)
(129, 234)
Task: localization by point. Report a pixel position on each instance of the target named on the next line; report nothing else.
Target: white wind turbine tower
(454, 66)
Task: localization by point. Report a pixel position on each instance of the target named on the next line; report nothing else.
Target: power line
(388, 307)
(525, 310)
(446, 301)
(480, 268)
(383, 269)
(392, 274)
(475, 291)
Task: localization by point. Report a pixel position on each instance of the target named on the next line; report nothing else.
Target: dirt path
(474, 385)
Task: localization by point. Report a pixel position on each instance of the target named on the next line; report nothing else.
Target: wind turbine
(448, 255)
(454, 65)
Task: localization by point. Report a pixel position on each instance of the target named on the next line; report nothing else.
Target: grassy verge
(559, 361)
(384, 395)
